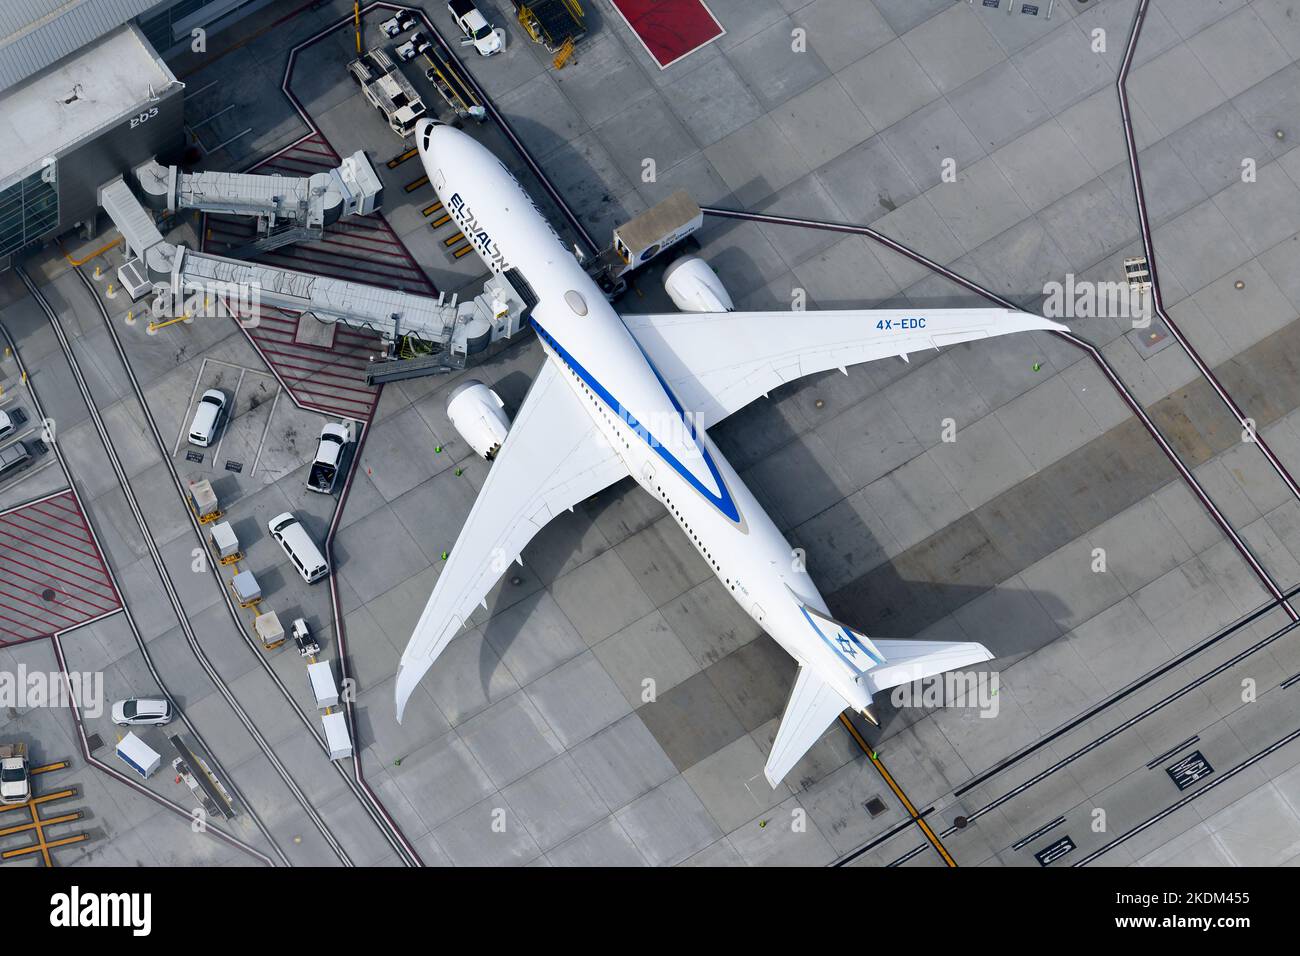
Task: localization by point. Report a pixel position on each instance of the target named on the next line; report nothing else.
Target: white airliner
(634, 395)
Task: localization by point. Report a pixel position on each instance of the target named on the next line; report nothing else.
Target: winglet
(408, 678)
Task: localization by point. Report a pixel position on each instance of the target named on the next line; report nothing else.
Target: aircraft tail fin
(814, 704)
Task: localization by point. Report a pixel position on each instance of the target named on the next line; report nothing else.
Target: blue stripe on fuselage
(723, 502)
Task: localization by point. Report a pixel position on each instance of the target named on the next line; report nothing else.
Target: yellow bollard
(130, 317)
(98, 272)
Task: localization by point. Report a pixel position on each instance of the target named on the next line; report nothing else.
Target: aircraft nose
(424, 133)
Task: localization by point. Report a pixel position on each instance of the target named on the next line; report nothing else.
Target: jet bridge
(446, 329)
(287, 208)
(443, 332)
(423, 335)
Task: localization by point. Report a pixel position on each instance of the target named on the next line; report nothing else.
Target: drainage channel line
(340, 634)
(1242, 548)
(1148, 247)
(1126, 725)
(173, 597)
(1196, 795)
(370, 804)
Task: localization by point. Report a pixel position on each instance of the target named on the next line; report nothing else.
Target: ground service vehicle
(142, 710)
(207, 417)
(15, 787)
(334, 439)
(477, 30)
(299, 546)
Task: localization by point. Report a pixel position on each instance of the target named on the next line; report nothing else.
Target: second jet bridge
(287, 209)
(445, 331)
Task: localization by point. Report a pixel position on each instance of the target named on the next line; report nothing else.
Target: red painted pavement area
(52, 575)
(670, 29)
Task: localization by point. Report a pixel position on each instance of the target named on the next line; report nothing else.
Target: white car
(6, 425)
(207, 417)
(486, 38)
(142, 710)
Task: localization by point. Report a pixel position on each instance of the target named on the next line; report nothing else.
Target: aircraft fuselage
(665, 450)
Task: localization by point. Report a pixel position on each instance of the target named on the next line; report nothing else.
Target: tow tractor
(396, 26)
(307, 645)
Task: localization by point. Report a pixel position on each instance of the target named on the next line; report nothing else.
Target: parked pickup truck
(14, 784)
(334, 439)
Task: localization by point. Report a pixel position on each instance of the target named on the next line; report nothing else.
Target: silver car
(142, 710)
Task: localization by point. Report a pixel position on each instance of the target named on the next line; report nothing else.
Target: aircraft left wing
(716, 363)
(553, 457)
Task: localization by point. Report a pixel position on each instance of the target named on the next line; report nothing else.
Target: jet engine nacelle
(695, 287)
(479, 415)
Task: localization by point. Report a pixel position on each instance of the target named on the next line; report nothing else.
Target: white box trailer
(322, 684)
(337, 738)
(138, 755)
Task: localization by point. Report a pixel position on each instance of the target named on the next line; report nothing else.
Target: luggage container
(337, 738)
(322, 684)
(138, 755)
(204, 501)
(225, 543)
(246, 589)
(269, 630)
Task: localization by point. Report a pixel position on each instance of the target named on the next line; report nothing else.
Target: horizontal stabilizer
(908, 661)
(813, 706)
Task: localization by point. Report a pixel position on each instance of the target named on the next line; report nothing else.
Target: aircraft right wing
(553, 457)
(716, 363)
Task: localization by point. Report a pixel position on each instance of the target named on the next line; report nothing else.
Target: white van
(298, 545)
(207, 417)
